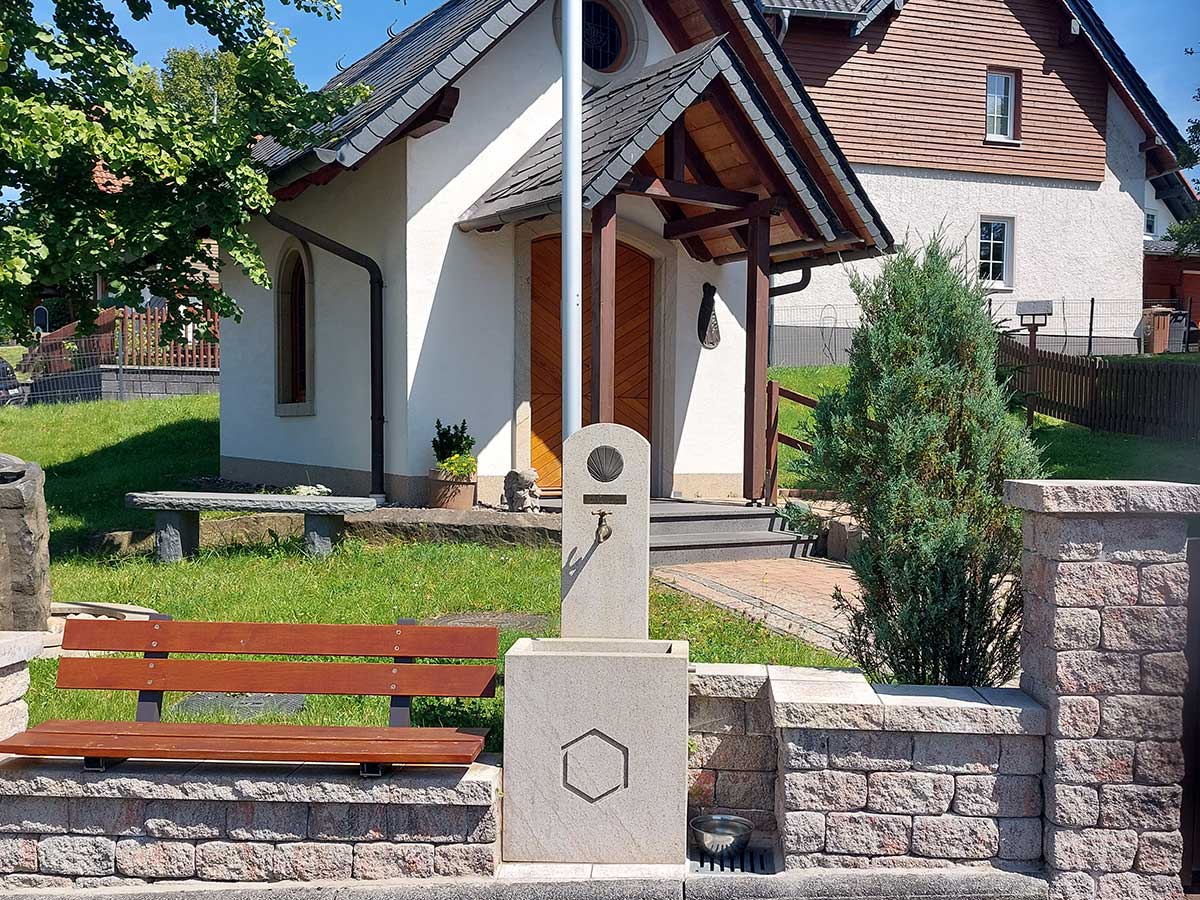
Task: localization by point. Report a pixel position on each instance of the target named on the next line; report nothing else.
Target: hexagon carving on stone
(594, 766)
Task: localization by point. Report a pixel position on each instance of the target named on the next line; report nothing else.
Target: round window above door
(614, 38)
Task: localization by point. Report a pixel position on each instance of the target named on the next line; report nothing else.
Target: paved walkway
(790, 596)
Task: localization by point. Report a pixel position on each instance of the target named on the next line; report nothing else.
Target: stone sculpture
(521, 492)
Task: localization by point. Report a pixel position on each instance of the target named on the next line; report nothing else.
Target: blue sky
(1153, 33)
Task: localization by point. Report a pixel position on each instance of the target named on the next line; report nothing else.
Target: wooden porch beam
(758, 301)
(694, 158)
(685, 192)
(762, 160)
(674, 150)
(695, 247)
(604, 309)
(722, 21)
(723, 220)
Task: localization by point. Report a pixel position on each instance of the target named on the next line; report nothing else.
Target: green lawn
(1193, 358)
(13, 355)
(793, 418)
(379, 584)
(1068, 451)
(94, 453)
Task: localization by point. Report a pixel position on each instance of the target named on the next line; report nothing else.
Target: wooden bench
(103, 744)
(177, 516)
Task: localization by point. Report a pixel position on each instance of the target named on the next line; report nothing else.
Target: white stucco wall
(364, 210)
(451, 298)
(1072, 240)
(1153, 205)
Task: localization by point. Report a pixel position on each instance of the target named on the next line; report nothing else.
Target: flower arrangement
(451, 440)
(460, 466)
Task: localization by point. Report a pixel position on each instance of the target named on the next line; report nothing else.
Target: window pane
(999, 106)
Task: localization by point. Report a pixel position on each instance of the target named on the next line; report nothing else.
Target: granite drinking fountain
(596, 721)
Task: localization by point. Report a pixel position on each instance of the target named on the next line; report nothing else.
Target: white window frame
(1150, 223)
(1006, 282)
(1009, 135)
(295, 250)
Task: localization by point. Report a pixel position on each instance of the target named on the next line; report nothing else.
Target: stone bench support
(17, 648)
(1104, 630)
(177, 517)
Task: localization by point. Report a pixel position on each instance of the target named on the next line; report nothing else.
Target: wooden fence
(139, 339)
(1154, 399)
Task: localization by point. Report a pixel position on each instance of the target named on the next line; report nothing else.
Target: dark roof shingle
(623, 120)
(403, 73)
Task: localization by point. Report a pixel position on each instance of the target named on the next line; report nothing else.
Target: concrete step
(683, 517)
(726, 546)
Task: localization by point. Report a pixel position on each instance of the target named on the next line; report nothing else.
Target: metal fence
(820, 335)
(122, 359)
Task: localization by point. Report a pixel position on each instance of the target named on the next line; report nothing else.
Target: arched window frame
(286, 403)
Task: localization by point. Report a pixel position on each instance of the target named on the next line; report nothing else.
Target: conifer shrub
(919, 444)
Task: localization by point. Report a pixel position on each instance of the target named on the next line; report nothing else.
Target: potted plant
(452, 482)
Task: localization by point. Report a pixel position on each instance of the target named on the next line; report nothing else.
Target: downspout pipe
(375, 274)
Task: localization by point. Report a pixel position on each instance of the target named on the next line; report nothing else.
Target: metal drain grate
(752, 861)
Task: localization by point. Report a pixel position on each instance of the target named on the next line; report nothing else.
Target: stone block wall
(897, 775)
(150, 382)
(732, 758)
(145, 822)
(25, 592)
(17, 648)
(1106, 583)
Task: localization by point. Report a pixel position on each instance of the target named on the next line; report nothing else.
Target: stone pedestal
(17, 648)
(25, 589)
(1105, 624)
(596, 750)
(606, 533)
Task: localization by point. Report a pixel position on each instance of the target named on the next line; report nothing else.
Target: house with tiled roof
(736, 153)
(415, 254)
(1018, 130)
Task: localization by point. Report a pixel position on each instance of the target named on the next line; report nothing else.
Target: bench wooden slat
(251, 676)
(295, 749)
(467, 736)
(283, 639)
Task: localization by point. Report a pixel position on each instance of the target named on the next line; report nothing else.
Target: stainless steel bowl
(721, 835)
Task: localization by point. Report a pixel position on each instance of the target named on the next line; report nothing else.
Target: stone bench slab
(474, 785)
(204, 501)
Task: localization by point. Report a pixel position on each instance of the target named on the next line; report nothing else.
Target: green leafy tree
(120, 174)
(919, 444)
(199, 83)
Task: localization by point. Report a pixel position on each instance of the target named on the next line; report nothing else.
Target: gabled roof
(412, 70)
(404, 74)
(622, 121)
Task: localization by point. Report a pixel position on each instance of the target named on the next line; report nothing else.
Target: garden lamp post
(572, 217)
(1033, 315)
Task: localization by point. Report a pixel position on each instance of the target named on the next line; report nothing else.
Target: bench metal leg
(372, 770)
(176, 534)
(322, 533)
(100, 763)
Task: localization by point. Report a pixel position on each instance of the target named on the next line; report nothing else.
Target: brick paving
(790, 596)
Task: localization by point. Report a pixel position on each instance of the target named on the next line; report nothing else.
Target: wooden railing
(1154, 399)
(140, 342)
(775, 437)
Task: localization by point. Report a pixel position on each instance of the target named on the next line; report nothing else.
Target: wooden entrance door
(635, 303)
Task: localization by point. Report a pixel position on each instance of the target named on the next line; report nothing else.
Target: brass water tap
(603, 529)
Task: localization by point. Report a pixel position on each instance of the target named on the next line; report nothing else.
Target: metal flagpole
(572, 216)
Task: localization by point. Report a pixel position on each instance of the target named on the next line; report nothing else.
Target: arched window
(294, 333)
